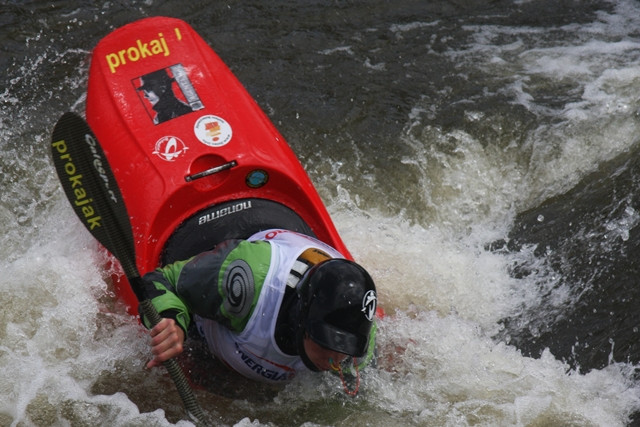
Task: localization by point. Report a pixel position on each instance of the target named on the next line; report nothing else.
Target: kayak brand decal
(167, 93)
(170, 148)
(140, 50)
(224, 212)
(213, 131)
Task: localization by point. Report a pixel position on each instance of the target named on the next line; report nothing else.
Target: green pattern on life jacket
(165, 300)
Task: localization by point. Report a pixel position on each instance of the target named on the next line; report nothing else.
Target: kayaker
(269, 307)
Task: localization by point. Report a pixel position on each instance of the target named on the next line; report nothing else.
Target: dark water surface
(479, 158)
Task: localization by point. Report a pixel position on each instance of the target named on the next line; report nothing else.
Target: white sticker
(169, 148)
(213, 131)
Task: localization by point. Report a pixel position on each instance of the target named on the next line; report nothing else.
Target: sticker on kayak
(213, 131)
(167, 93)
(170, 148)
(257, 178)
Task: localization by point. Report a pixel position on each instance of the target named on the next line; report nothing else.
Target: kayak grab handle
(211, 171)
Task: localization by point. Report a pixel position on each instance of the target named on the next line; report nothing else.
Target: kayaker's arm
(203, 284)
(189, 287)
(163, 295)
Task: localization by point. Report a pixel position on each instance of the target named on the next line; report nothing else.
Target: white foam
(68, 354)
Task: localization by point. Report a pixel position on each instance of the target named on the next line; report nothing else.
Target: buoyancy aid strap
(306, 260)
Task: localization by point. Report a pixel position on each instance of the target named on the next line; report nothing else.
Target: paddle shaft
(93, 192)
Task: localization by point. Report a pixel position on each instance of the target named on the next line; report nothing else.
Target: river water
(479, 158)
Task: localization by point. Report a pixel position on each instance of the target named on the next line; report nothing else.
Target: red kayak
(196, 159)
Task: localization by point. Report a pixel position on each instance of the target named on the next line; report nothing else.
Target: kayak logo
(169, 148)
(140, 50)
(218, 213)
(213, 131)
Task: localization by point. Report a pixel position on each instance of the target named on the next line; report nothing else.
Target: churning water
(479, 158)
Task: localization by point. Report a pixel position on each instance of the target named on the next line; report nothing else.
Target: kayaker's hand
(167, 340)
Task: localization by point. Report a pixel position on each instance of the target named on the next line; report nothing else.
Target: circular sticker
(169, 148)
(257, 178)
(213, 131)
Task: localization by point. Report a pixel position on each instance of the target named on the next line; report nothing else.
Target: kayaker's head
(337, 302)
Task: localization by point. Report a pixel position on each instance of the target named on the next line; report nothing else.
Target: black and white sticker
(369, 304)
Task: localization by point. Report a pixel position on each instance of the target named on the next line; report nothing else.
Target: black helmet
(338, 302)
